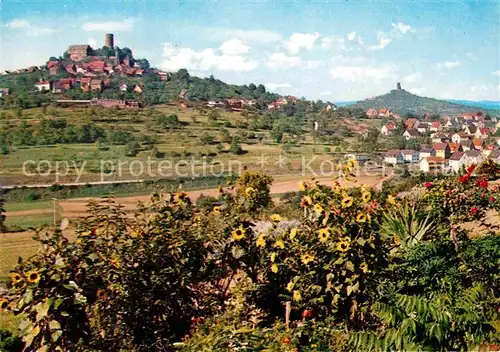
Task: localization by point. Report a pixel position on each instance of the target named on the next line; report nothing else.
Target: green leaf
(349, 290)
(80, 299)
(54, 325)
(28, 339)
(237, 252)
(93, 257)
(59, 262)
(243, 331)
(349, 266)
(71, 286)
(339, 261)
(28, 296)
(58, 302)
(361, 241)
(56, 334)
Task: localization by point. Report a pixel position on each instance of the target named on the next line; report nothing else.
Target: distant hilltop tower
(398, 86)
(109, 40)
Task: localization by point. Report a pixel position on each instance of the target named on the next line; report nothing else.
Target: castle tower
(109, 40)
(398, 86)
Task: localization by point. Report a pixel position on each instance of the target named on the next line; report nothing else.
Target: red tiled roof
(435, 159)
(439, 146)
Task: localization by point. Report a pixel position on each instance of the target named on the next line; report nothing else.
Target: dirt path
(73, 208)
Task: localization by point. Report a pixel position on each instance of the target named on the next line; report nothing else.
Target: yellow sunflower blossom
(346, 201)
(293, 233)
(324, 234)
(179, 196)
(361, 218)
(274, 268)
(366, 196)
(306, 258)
(318, 208)
(275, 217)
(3, 304)
(302, 186)
(279, 244)
(363, 267)
(114, 263)
(346, 239)
(249, 191)
(33, 277)
(306, 201)
(216, 210)
(397, 241)
(15, 277)
(238, 233)
(219, 189)
(297, 296)
(261, 241)
(273, 257)
(290, 285)
(343, 246)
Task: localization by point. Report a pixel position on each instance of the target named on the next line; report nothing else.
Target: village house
(138, 89)
(455, 147)
(482, 133)
(473, 157)
(488, 150)
(42, 85)
(372, 113)
(426, 152)
(423, 127)
(433, 164)
(123, 87)
(470, 129)
(459, 137)
(439, 137)
(411, 134)
(384, 112)
(410, 156)
(53, 67)
(4, 92)
(394, 157)
(396, 116)
(457, 161)
(478, 143)
(466, 145)
(57, 87)
(411, 123)
(442, 150)
(96, 84)
(495, 156)
(388, 129)
(435, 126)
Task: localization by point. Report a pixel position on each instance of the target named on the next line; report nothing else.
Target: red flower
(286, 340)
(307, 313)
(474, 211)
(492, 199)
(471, 168)
(428, 185)
(482, 183)
(464, 178)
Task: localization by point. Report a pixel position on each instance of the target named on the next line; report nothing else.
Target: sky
(329, 50)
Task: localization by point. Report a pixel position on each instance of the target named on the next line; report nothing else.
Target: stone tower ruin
(109, 40)
(398, 86)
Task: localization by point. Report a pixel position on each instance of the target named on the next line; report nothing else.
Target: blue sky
(337, 50)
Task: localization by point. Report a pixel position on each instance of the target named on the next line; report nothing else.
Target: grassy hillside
(404, 102)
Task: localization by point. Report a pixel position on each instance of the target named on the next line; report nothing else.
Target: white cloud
(253, 35)
(274, 86)
(416, 90)
(402, 28)
(283, 61)
(351, 36)
(383, 41)
(234, 47)
(124, 25)
(92, 42)
(28, 27)
(363, 74)
(333, 42)
(326, 93)
(298, 41)
(496, 73)
(204, 60)
(448, 64)
(412, 78)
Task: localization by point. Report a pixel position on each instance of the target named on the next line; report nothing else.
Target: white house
(473, 157)
(42, 85)
(426, 152)
(394, 157)
(123, 87)
(423, 127)
(387, 129)
(457, 160)
(411, 134)
(433, 164)
(495, 156)
(410, 156)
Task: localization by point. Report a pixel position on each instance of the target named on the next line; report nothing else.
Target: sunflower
(346, 201)
(290, 285)
(274, 268)
(216, 210)
(343, 246)
(397, 241)
(306, 201)
(249, 191)
(361, 218)
(293, 233)
(261, 241)
(364, 267)
(4, 304)
(279, 244)
(33, 277)
(179, 196)
(318, 208)
(365, 196)
(324, 234)
(306, 258)
(297, 296)
(346, 239)
(275, 217)
(302, 186)
(273, 257)
(352, 163)
(15, 277)
(238, 233)
(219, 189)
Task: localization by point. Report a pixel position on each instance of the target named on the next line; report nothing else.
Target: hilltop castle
(79, 52)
